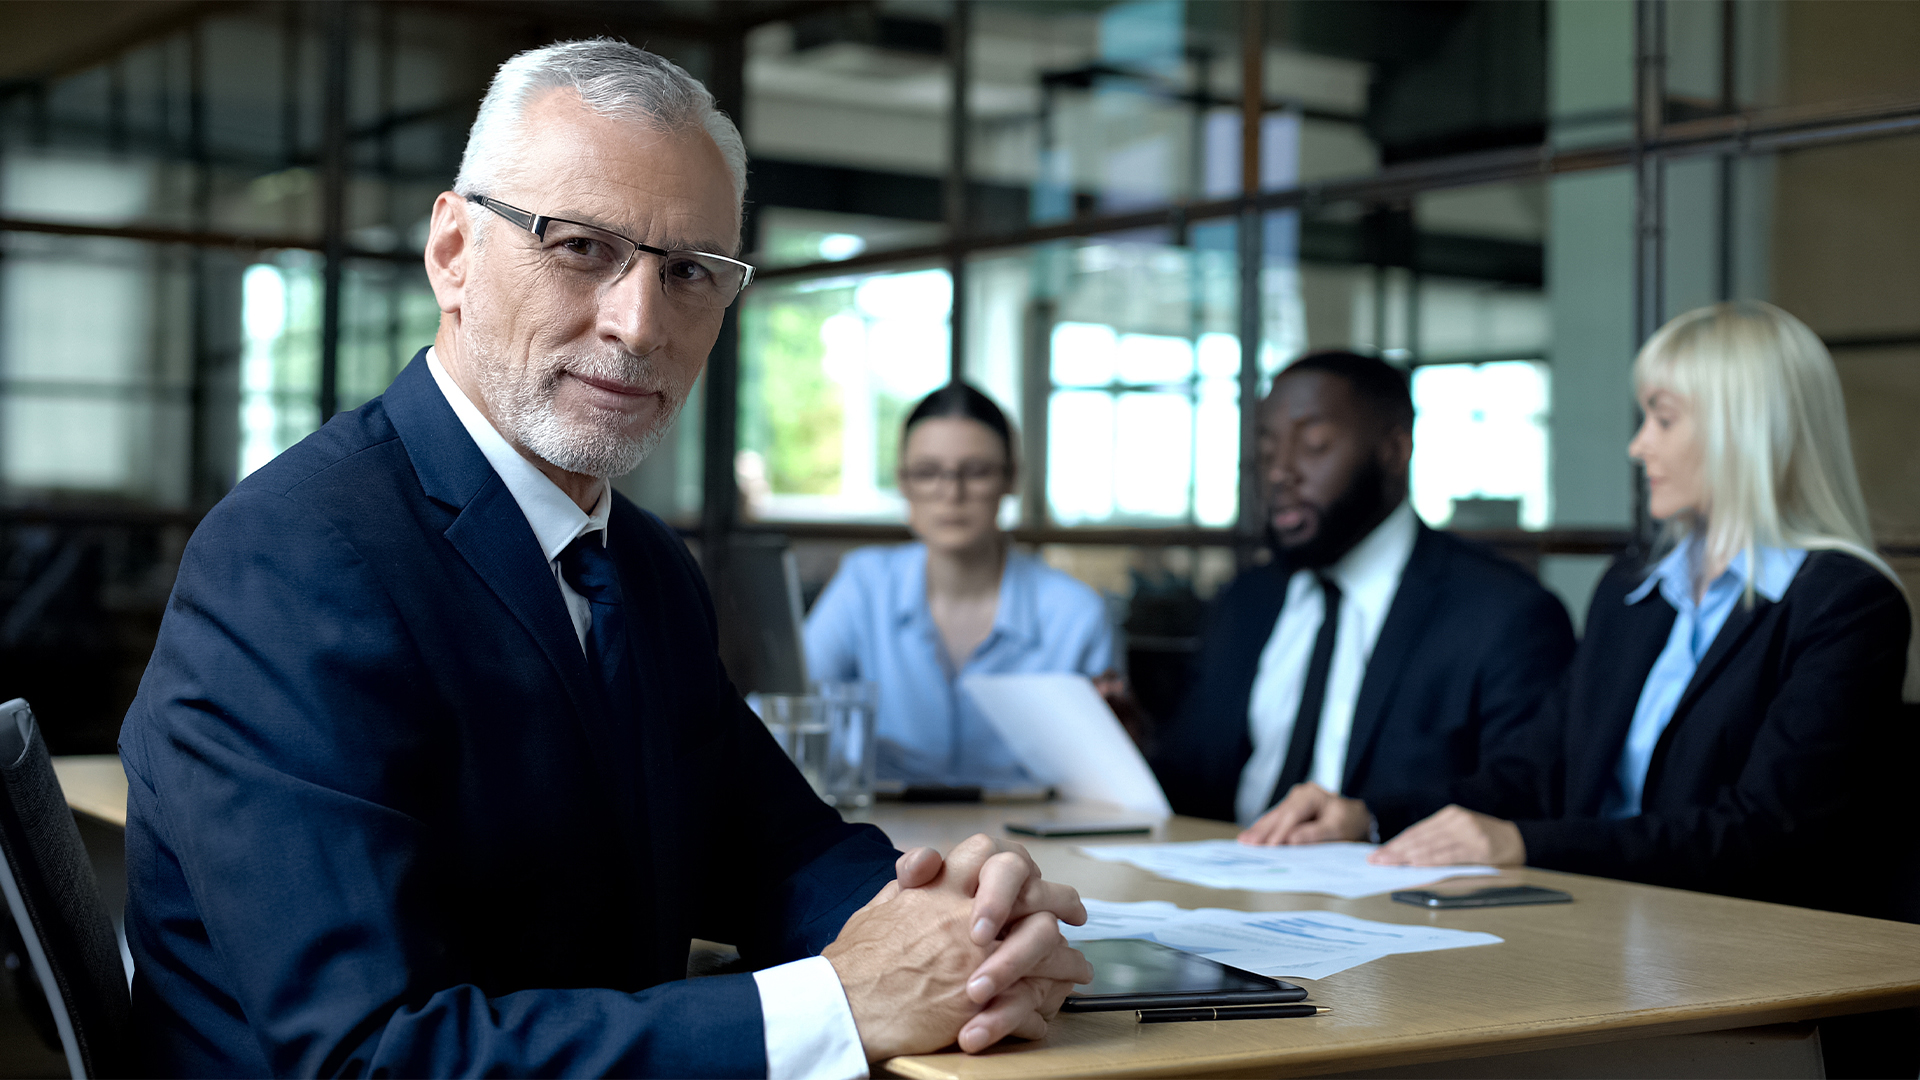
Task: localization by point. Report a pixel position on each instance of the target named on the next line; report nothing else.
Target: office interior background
(1117, 218)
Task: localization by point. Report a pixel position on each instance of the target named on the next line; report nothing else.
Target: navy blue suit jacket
(1470, 645)
(1779, 776)
(377, 822)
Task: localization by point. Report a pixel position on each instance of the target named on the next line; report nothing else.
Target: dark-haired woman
(960, 601)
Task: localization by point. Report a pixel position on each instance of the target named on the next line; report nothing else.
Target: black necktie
(1313, 696)
(588, 569)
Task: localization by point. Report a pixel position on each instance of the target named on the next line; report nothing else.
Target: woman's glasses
(926, 480)
(592, 255)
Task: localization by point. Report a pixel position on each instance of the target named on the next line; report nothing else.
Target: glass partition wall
(1117, 217)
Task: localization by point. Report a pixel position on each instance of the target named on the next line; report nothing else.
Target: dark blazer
(378, 822)
(1769, 780)
(1471, 644)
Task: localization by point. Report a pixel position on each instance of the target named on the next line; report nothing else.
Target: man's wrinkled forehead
(666, 188)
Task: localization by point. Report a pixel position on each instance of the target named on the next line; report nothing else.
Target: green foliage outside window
(791, 413)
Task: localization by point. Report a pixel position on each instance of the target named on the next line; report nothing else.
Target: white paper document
(1336, 869)
(1280, 944)
(1067, 737)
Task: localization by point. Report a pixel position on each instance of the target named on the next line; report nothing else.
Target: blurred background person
(916, 617)
(1362, 678)
(1727, 722)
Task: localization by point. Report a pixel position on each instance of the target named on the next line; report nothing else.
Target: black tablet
(1132, 974)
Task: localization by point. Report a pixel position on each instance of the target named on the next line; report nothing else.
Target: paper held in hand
(1066, 736)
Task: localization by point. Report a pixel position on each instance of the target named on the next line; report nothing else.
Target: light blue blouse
(1694, 628)
(872, 623)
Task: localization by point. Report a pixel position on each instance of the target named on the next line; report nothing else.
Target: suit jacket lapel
(493, 536)
(1740, 622)
(657, 802)
(1637, 639)
(491, 532)
(1419, 588)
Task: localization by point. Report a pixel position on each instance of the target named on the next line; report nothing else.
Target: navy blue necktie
(588, 568)
(1313, 697)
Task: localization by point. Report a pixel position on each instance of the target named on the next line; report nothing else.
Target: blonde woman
(1726, 720)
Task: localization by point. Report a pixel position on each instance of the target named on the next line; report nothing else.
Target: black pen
(1244, 1012)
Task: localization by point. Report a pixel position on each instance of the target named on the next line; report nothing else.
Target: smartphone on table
(1492, 896)
(1129, 973)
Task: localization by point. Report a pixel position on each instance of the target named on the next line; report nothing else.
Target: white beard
(523, 407)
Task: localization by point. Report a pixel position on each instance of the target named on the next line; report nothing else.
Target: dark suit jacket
(378, 822)
(1769, 780)
(1470, 645)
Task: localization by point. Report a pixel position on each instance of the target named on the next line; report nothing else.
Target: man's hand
(926, 964)
(1001, 877)
(903, 961)
(1310, 814)
(1453, 836)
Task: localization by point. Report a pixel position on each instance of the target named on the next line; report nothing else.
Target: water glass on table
(850, 710)
(798, 723)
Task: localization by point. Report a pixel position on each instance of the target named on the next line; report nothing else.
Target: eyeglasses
(926, 480)
(586, 253)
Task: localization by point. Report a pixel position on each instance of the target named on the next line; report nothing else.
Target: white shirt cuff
(809, 1025)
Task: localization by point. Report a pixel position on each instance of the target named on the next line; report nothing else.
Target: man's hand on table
(1310, 814)
(1453, 836)
(964, 949)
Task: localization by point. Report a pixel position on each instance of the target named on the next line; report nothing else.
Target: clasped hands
(964, 949)
(1311, 814)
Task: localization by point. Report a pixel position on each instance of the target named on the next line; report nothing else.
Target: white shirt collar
(555, 518)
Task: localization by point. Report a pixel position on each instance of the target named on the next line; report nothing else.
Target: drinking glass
(798, 723)
(849, 712)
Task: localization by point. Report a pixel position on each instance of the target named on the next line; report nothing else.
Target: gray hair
(614, 79)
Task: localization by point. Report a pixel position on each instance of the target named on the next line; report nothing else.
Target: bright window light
(1080, 456)
(1153, 454)
(1084, 354)
(1481, 433)
(1154, 360)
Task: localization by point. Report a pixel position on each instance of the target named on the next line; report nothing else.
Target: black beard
(1346, 522)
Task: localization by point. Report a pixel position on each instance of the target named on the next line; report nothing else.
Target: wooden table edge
(1471, 1042)
(94, 785)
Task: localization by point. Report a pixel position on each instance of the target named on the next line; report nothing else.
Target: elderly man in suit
(1375, 670)
(435, 768)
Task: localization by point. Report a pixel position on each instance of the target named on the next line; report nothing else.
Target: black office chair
(55, 902)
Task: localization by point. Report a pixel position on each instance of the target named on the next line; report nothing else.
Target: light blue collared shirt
(872, 623)
(1694, 628)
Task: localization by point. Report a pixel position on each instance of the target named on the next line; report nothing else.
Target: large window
(838, 363)
(1119, 352)
(210, 233)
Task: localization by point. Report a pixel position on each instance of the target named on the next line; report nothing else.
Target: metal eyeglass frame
(537, 225)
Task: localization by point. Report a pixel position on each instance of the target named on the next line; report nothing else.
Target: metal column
(1649, 199)
(959, 29)
(1249, 525)
(333, 181)
(720, 488)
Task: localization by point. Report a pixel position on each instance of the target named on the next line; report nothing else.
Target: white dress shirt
(808, 1025)
(1368, 576)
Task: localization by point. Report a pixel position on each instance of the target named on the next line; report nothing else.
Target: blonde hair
(1772, 423)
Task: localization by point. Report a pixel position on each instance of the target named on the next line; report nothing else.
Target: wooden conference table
(1622, 981)
(1626, 980)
